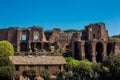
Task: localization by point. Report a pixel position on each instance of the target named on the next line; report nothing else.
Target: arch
(88, 51)
(38, 46)
(23, 47)
(77, 47)
(99, 50)
(110, 48)
(46, 46)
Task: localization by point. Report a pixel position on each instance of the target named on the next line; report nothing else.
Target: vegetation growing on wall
(48, 33)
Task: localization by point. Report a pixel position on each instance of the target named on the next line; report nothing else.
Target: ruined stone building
(92, 43)
(25, 39)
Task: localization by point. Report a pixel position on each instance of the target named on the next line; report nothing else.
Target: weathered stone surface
(93, 43)
(25, 39)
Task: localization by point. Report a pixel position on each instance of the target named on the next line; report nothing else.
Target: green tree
(84, 69)
(71, 62)
(6, 49)
(60, 75)
(31, 73)
(73, 30)
(115, 39)
(45, 74)
(115, 36)
(99, 70)
(7, 70)
(112, 64)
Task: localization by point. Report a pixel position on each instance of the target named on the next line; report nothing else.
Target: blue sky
(65, 14)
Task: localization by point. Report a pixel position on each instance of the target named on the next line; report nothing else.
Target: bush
(45, 74)
(112, 62)
(7, 70)
(31, 73)
(71, 62)
(84, 69)
(56, 52)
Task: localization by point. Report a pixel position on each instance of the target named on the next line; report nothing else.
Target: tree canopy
(71, 62)
(73, 30)
(84, 68)
(6, 49)
(7, 70)
(113, 64)
(115, 38)
(31, 73)
(45, 74)
(109, 68)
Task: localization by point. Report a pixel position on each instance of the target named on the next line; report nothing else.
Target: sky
(64, 14)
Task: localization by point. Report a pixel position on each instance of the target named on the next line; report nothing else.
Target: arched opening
(99, 50)
(88, 51)
(38, 46)
(46, 46)
(77, 50)
(110, 48)
(23, 47)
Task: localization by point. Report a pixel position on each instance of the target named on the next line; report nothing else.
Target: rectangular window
(24, 36)
(16, 67)
(35, 37)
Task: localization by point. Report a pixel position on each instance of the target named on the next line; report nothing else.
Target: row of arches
(25, 47)
(99, 49)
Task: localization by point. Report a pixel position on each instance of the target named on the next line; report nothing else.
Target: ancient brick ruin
(92, 43)
(25, 39)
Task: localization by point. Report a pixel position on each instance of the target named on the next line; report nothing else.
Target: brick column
(82, 49)
(117, 50)
(72, 49)
(104, 49)
(94, 52)
(18, 39)
(29, 39)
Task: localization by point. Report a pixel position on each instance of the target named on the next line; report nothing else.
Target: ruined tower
(95, 31)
